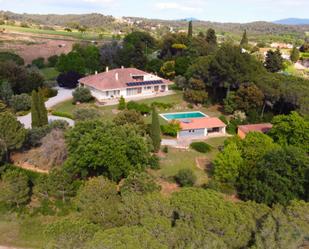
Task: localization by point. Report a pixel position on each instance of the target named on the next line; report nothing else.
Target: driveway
(63, 95)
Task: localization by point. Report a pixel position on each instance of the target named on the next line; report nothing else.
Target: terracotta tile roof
(201, 123)
(255, 127)
(116, 78)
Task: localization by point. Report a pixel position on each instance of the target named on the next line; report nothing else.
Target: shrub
(196, 96)
(223, 119)
(200, 147)
(85, 114)
(122, 103)
(58, 124)
(21, 102)
(154, 162)
(52, 60)
(171, 129)
(62, 114)
(39, 62)
(8, 56)
(48, 92)
(141, 108)
(161, 105)
(69, 79)
(185, 178)
(35, 135)
(82, 95)
(165, 149)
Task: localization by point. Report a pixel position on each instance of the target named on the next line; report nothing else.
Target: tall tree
(244, 41)
(42, 110)
(294, 56)
(190, 29)
(274, 61)
(6, 92)
(155, 131)
(35, 114)
(14, 189)
(12, 133)
(211, 39)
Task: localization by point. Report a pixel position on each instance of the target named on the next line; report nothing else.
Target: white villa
(126, 82)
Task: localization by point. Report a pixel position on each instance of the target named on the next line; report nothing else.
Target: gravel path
(63, 95)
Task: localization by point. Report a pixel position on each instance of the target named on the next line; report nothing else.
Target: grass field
(74, 34)
(49, 73)
(22, 232)
(181, 159)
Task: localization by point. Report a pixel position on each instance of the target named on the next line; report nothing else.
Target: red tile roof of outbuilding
(115, 79)
(255, 127)
(201, 123)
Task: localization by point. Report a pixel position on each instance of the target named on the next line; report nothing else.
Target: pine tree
(42, 110)
(294, 55)
(35, 116)
(211, 37)
(190, 29)
(274, 61)
(155, 131)
(244, 41)
(6, 92)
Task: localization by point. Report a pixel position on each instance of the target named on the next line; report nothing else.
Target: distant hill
(127, 24)
(188, 19)
(293, 21)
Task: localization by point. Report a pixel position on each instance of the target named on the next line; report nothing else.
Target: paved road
(63, 95)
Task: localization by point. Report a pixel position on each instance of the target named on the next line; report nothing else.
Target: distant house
(201, 127)
(126, 82)
(243, 130)
(281, 45)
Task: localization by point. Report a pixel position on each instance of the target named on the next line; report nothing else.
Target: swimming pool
(182, 115)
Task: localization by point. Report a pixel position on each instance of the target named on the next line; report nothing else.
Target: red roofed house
(243, 130)
(126, 82)
(201, 127)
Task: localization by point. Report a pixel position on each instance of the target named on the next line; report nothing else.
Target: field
(60, 32)
(49, 73)
(30, 48)
(200, 163)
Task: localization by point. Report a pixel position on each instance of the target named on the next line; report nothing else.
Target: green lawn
(49, 73)
(177, 159)
(22, 232)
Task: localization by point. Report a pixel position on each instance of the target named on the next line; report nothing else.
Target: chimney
(106, 69)
(96, 72)
(122, 67)
(116, 76)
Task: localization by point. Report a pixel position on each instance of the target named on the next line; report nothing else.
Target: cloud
(176, 6)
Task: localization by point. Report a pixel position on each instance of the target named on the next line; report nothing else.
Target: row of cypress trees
(39, 116)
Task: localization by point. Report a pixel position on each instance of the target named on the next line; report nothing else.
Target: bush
(39, 62)
(48, 92)
(52, 60)
(165, 149)
(62, 114)
(69, 79)
(58, 124)
(223, 119)
(122, 103)
(171, 129)
(161, 105)
(35, 135)
(21, 102)
(185, 178)
(82, 95)
(8, 56)
(141, 108)
(154, 162)
(85, 114)
(200, 147)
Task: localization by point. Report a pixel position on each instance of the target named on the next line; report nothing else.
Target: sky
(210, 10)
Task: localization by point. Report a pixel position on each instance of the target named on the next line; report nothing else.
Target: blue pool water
(183, 115)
